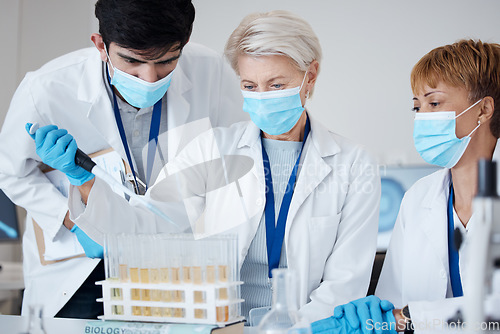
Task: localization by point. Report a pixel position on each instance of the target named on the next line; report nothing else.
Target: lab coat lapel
(434, 222)
(313, 170)
(250, 140)
(92, 90)
(178, 109)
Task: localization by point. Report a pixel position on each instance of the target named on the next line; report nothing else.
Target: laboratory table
(14, 324)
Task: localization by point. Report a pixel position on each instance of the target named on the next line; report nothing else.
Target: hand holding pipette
(58, 149)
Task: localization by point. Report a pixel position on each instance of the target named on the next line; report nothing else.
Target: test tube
(111, 264)
(211, 261)
(187, 260)
(199, 264)
(134, 258)
(123, 257)
(146, 264)
(163, 256)
(154, 273)
(222, 312)
(175, 248)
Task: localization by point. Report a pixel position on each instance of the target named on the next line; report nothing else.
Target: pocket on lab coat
(322, 236)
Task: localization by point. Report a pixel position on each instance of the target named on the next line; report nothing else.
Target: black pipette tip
(84, 161)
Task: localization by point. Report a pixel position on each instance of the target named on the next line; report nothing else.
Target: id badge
(256, 314)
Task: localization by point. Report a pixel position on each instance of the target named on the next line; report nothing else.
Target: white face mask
(137, 92)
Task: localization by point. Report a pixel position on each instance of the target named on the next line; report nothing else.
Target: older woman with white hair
(311, 196)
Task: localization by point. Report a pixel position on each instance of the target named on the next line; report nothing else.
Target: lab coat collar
(178, 108)
(320, 137)
(437, 190)
(92, 90)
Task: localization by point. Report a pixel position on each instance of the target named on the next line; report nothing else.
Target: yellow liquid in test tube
(167, 312)
(199, 297)
(197, 275)
(200, 313)
(186, 275)
(164, 276)
(146, 311)
(134, 278)
(211, 274)
(176, 279)
(222, 313)
(145, 293)
(136, 310)
(155, 279)
(179, 312)
(166, 296)
(223, 273)
(156, 311)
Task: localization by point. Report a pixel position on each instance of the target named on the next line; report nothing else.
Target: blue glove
(92, 249)
(368, 313)
(57, 148)
(333, 325)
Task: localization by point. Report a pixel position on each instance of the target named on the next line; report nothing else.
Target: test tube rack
(171, 278)
(196, 304)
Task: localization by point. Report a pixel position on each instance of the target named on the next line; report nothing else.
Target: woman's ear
(487, 109)
(312, 74)
(99, 44)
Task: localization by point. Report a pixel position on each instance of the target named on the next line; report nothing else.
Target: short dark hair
(149, 27)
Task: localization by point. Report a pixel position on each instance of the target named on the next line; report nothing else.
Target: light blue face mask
(435, 138)
(274, 112)
(137, 92)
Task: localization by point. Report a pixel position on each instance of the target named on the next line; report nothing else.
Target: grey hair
(277, 32)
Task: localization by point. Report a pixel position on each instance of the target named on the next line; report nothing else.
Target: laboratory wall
(369, 48)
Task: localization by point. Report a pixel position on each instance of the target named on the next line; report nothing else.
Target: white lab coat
(330, 236)
(416, 268)
(70, 92)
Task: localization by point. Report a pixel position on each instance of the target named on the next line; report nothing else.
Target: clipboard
(39, 235)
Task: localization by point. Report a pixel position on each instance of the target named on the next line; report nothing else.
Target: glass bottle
(283, 316)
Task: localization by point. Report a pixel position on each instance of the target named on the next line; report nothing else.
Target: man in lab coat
(142, 79)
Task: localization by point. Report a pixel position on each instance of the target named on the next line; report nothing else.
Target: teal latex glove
(92, 249)
(333, 325)
(57, 148)
(368, 313)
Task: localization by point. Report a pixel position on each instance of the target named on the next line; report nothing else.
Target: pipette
(84, 161)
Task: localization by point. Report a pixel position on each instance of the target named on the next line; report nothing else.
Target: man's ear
(99, 44)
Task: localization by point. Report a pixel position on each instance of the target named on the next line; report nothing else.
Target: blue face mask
(435, 138)
(274, 112)
(137, 92)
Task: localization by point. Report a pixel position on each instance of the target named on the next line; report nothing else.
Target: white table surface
(14, 324)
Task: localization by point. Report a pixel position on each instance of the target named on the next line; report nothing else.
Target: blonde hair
(277, 32)
(470, 64)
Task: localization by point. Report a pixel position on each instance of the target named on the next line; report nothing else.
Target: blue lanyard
(276, 234)
(456, 283)
(154, 131)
